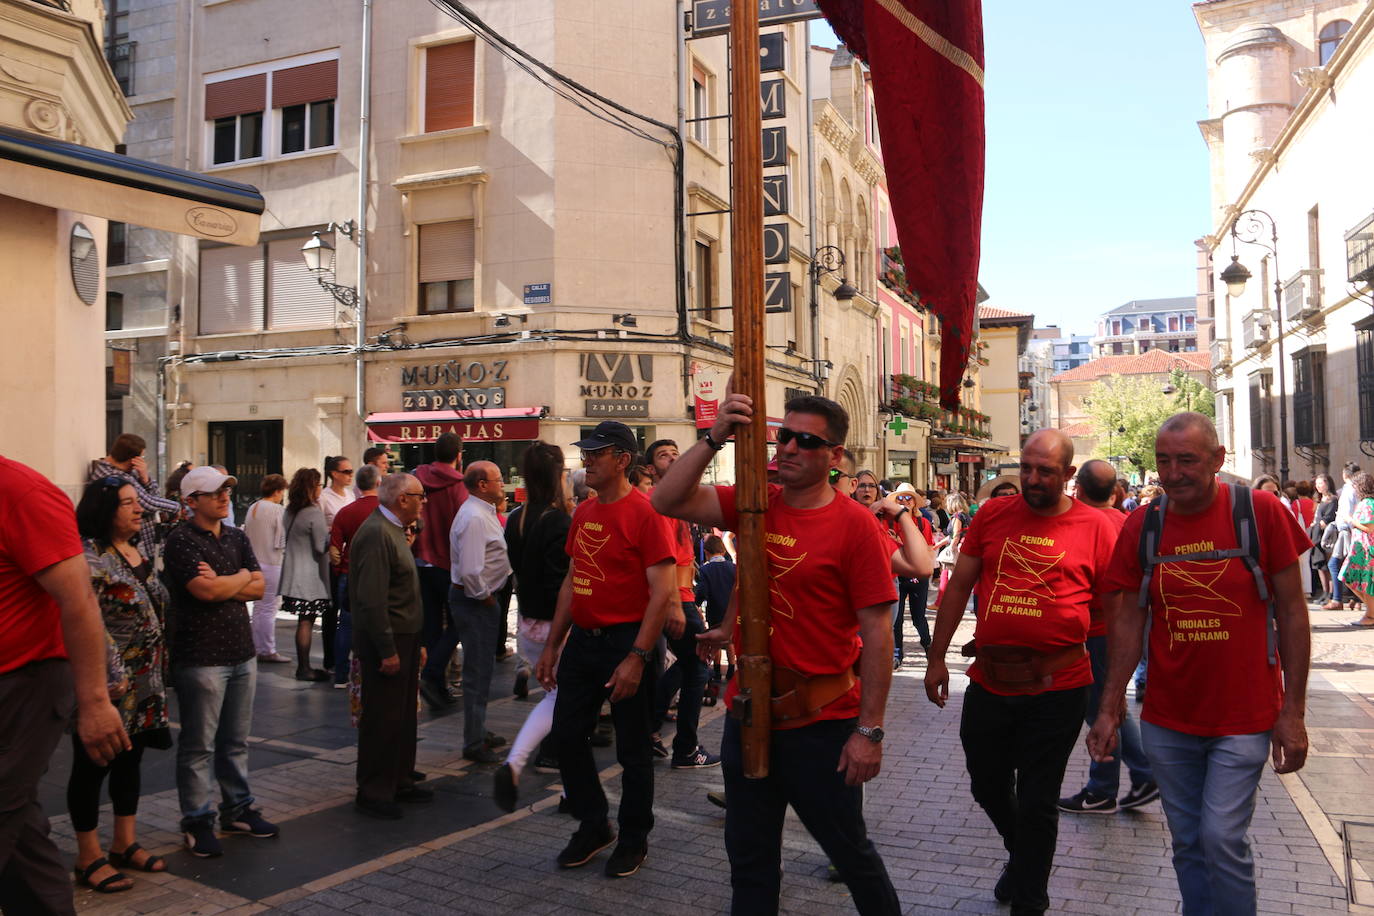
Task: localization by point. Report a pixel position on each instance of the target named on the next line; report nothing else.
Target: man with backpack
(1210, 572)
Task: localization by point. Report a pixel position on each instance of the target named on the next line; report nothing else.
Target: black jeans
(439, 636)
(587, 664)
(801, 773)
(1016, 749)
(687, 675)
(915, 592)
(329, 623)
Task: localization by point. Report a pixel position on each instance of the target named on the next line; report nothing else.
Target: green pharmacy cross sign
(898, 425)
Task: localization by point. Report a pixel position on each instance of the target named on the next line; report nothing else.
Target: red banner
(500, 430)
(926, 57)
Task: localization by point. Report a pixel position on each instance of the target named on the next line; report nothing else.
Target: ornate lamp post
(1235, 276)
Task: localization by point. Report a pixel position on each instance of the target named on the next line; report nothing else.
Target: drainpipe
(364, 135)
(811, 216)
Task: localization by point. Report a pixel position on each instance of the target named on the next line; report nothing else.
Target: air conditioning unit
(1302, 295)
(1254, 329)
(1221, 353)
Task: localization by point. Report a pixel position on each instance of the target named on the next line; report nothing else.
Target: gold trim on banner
(938, 43)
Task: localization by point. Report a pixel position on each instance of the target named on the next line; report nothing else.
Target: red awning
(500, 424)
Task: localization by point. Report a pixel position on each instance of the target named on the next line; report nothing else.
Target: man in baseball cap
(607, 433)
(205, 480)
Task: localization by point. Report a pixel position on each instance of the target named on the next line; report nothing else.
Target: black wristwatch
(644, 654)
(873, 733)
(899, 512)
(712, 443)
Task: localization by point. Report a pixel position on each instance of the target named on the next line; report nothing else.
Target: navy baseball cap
(610, 432)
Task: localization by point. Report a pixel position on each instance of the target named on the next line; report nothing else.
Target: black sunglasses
(809, 441)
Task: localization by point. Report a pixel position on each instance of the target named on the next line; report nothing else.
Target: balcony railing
(1302, 295)
(920, 400)
(120, 54)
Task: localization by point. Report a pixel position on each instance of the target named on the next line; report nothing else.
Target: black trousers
(87, 776)
(329, 624)
(388, 721)
(439, 636)
(802, 773)
(587, 664)
(1016, 749)
(35, 703)
(686, 677)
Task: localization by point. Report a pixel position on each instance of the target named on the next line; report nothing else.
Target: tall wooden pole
(746, 245)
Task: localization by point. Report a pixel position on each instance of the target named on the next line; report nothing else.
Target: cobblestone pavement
(462, 855)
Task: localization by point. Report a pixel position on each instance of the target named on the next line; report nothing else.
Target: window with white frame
(277, 109)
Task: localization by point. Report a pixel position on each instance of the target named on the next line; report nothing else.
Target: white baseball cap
(205, 479)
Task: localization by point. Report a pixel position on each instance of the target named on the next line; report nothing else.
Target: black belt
(600, 632)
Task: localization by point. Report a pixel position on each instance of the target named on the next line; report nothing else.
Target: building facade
(1147, 324)
(1289, 85)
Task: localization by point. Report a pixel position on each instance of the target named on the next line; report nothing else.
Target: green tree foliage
(1139, 405)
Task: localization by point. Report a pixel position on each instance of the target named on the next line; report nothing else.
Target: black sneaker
(585, 844)
(546, 763)
(659, 748)
(436, 696)
(699, 759)
(626, 859)
(387, 811)
(1139, 795)
(492, 741)
(1001, 891)
(522, 685)
(251, 823)
(480, 753)
(202, 841)
(1086, 802)
(716, 798)
(415, 795)
(504, 791)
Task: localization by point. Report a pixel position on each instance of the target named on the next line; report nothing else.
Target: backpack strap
(1247, 537)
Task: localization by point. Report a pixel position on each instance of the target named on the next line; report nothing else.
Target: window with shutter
(295, 298)
(447, 268)
(231, 290)
(449, 80)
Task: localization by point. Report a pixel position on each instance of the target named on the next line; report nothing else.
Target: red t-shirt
(1097, 626)
(1037, 579)
(824, 565)
(37, 529)
(1209, 671)
(611, 546)
(1304, 510)
(681, 537)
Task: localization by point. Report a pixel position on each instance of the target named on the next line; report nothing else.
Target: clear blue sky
(1096, 172)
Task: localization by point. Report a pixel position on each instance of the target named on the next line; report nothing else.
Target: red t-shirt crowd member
(681, 537)
(1098, 624)
(346, 524)
(1209, 658)
(610, 547)
(824, 565)
(1037, 579)
(37, 529)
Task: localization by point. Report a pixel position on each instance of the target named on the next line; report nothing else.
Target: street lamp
(1235, 277)
(827, 260)
(1170, 388)
(1120, 429)
(319, 259)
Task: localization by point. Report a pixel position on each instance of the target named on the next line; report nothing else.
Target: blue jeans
(216, 706)
(1333, 566)
(1208, 788)
(801, 773)
(1104, 779)
(475, 623)
(343, 636)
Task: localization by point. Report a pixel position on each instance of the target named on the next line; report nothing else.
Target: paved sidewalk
(462, 855)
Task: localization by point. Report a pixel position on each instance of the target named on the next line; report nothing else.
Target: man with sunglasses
(611, 608)
(830, 583)
(211, 574)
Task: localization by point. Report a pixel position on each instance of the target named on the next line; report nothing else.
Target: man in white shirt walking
(479, 567)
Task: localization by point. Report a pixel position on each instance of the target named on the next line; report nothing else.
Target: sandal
(1362, 622)
(125, 859)
(83, 876)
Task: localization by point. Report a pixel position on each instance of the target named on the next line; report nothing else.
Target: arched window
(1330, 37)
(846, 218)
(862, 270)
(828, 218)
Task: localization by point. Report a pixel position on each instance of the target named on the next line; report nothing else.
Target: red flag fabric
(926, 58)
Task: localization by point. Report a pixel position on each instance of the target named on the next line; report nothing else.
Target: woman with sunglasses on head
(947, 547)
(132, 602)
(304, 585)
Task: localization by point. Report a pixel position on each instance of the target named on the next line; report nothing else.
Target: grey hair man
(384, 599)
(1228, 679)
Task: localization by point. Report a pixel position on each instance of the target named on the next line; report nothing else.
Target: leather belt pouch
(797, 697)
(1018, 669)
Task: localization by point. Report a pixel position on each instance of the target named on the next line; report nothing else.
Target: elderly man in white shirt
(479, 568)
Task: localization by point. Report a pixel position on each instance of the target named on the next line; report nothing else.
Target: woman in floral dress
(1358, 571)
(132, 600)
